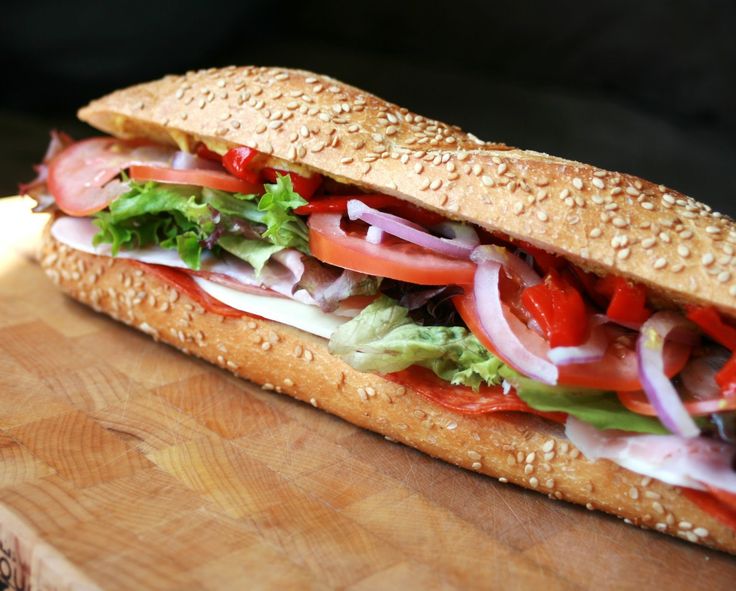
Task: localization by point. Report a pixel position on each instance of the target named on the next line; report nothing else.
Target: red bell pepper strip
(237, 160)
(711, 323)
(339, 204)
(305, 186)
(559, 310)
(628, 300)
(204, 152)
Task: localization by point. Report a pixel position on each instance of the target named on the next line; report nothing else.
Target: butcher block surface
(125, 464)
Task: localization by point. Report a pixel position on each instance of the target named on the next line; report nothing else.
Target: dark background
(647, 87)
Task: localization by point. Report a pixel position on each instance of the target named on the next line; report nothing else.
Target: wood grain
(126, 465)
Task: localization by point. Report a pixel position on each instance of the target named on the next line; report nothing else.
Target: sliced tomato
(82, 178)
(304, 186)
(638, 402)
(214, 179)
(339, 204)
(462, 399)
(617, 371)
(392, 258)
(183, 281)
(720, 505)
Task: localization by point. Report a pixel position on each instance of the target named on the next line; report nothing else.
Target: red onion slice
(592, 350)
(510, 262)
(657, 386)
(374, 235)
(185, 161)
(496, 326)
(406, 230)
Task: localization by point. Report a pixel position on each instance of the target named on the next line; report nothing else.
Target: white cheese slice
(302, 316)
(77, 233)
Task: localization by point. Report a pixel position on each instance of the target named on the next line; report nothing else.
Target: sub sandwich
(544, 322)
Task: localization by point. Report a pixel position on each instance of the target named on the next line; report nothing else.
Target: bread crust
(513, 447)
(604, 221)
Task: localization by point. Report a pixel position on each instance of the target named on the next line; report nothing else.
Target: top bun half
(604, 221)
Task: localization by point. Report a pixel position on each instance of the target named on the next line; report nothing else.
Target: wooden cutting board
(127, 465)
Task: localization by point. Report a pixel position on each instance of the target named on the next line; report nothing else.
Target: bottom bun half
(511, 447)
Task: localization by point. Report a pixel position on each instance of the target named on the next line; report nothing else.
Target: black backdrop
(647, 87)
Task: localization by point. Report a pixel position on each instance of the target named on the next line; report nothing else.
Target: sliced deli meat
(83, 177)
(693, 462)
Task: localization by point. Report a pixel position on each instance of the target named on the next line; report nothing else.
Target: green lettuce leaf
(255, 252)
(283, 227)
(183, 218)
(383, 338)
(595, 407)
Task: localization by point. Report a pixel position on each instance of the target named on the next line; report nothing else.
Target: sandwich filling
(476, 321)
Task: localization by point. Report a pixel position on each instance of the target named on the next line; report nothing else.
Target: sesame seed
(503, 480)
(624, 253)
(451, 426)
(476, 465)
(632, 191)
(528, 469)
(724, 276)
(650, 494)
(713, 229)
(658, 508)
(549, 445)
(313, 402)
(486, 180)
(634, 492)
(435, 184)
(424, 185)
(531, 457)
(660, 263)
(542, 215)
(683, 251)
(668, 198)
(595, 233)
(577, 183)
(707, 259)
(619, 222)
(701, 532)
(533, 482)
(732, 290)
(474, 455)
(598, 183)
(550, 483)
(501, 168)
(648, 243)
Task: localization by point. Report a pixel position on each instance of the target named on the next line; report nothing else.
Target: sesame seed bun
(514, 447)
(606, 222)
